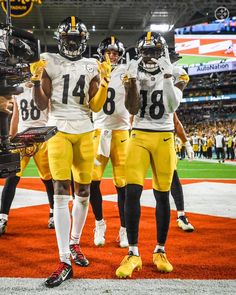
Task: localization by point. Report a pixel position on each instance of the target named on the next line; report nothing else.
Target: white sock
(4, 216)
(158, 247)
(79, 214)
(180, 213)
(62, 226)
(134, 249)
(99, 222)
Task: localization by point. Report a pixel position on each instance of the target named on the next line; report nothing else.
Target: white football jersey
(195, 139)
(29, 114)
(70, 84)
(219, 138)
(114, 115)
(152, 115)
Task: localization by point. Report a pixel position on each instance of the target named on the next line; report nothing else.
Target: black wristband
(36, 83)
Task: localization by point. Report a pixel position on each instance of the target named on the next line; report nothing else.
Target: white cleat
(3, 226)
(183, 223)
(51, 224)
(123, 238)
(99, 233)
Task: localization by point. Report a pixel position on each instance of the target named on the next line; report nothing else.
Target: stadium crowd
(204, 137)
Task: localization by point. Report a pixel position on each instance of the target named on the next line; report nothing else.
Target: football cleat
(51, 224)
(128, 265)
(122, 238)
(183, 223)
(99, 233)
(161, 262)
(3, 226)
(78, 256)
(63, 272)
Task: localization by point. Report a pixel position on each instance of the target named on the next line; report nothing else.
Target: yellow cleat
(162, 263)
(128, 265)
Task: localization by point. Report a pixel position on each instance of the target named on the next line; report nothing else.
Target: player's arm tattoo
(42, 93)
(132, 97)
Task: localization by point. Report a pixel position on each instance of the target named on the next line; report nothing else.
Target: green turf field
(194, 59)
(195, 169)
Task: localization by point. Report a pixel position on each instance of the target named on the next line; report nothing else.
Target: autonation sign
(214, 67)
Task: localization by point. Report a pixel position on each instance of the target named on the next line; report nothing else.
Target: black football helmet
(72, 36)
(174, 56)
(111, 43)
(150, 45)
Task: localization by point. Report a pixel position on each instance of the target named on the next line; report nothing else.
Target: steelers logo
(221, 13)
(122, 76)
(89, 68)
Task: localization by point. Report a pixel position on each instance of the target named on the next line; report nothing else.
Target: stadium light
(161, 27)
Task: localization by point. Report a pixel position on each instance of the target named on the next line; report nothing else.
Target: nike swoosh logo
(64, 274)
(123, 140)
(165, 139)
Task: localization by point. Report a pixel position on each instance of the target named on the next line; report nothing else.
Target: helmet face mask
(150, 46)
(111, 45)
(72, 36)
(174, 56)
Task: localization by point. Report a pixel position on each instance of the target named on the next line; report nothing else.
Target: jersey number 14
(77, 91)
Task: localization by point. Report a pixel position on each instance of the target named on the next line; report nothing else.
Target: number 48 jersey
(29, 114)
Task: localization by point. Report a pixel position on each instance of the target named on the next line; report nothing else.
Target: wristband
(36, 83)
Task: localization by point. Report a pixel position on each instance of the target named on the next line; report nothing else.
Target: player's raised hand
(131, 67)
(164, 62)
(104, 68)
(37, 69)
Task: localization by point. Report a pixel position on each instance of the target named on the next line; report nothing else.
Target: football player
(26, 114)
(111, 140)
(153, 94)
(72, 85)
(176, 187)
(195, 141)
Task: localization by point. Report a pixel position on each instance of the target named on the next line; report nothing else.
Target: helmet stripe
(73, 23)
(149, 34)
(112, 40)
